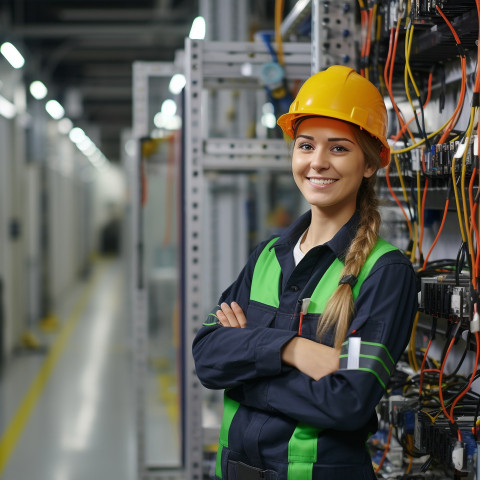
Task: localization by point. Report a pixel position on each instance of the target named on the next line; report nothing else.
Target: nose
(320, 160)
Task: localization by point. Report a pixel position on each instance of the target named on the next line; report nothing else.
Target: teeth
(322, 181)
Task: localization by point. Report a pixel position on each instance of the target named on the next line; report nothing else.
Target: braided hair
(339, 308)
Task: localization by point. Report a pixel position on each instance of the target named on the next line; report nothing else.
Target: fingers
(231, 316)
(237, 310)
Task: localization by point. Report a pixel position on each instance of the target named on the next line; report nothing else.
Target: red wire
(300, 324)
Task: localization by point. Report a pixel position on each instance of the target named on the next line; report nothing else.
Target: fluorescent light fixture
(169, 108)
(85, 144)
(177, 82)
(197, 32)
(13, 56)
(76, 135)
(54, 109)
(7, 109)
(38, 90)
(65, 125)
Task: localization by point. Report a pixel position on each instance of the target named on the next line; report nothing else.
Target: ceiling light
(177, 83)
(76, 135)
(13, 56)
(197, 32)
(54, 109)
(38, 90)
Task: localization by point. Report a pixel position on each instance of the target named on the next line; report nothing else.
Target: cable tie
(476, 99)
(350, 279)
(461, 50)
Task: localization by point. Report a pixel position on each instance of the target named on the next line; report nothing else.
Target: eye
(339, 149)
(305, 146)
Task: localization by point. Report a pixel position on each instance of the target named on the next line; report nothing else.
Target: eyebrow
(339, 139)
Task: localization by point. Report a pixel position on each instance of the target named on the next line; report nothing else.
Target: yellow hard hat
(340, 92)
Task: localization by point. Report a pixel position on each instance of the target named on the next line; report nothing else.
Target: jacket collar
(339, 244)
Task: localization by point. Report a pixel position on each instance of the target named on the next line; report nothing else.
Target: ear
(369, 171)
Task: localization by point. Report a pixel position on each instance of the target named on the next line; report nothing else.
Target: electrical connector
(475, 323)
(458, 455)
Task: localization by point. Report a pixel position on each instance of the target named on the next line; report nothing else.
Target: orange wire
(387, 448)
(423, 367)
(467, 388)
(440, 392)
(409, 223)
(438, 234)
(388, 73)
(463, 63)
(364, 33)
(477, 78)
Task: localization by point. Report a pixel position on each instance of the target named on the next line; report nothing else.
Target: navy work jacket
(273, 396)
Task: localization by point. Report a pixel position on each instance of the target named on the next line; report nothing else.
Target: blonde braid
(339, 308)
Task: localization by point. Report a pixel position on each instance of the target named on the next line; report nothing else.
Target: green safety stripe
(266, 277)
(373, 358)
(302, 452)
(208, 324)
(329, 282)
(230, 408)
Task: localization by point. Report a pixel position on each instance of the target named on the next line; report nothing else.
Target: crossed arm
(309, 357)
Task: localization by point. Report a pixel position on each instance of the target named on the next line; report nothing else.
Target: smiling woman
(317, 323)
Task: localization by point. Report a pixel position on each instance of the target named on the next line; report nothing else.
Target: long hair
(339, 308)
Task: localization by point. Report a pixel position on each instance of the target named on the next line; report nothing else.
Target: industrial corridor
(66, 410)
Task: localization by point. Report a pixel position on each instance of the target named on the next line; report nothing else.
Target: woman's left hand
(231, 315)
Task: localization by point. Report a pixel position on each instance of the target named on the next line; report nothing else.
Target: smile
(322, 181)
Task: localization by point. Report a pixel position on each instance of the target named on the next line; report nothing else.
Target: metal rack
(142, 72)
(216, 65)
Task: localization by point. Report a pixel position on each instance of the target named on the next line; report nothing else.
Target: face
(328, 165)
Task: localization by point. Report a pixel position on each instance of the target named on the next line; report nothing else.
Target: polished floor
(67, 411)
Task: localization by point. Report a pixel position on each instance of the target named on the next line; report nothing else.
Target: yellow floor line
(14, 430)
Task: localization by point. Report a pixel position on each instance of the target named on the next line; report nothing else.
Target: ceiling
(83, 50)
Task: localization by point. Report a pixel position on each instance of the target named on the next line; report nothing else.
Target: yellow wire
(408, 48)
(278, 34)
(422, 141)
(415, 241)
(405, 196)
(411, 346)
(419, 207)
(455, 191)
(464, 201)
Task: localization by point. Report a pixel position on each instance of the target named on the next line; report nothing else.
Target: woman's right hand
(311, 358)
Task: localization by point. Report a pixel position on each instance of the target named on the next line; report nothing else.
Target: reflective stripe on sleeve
(372, 357)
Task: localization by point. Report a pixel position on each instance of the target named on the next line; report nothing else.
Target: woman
(323, 311)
